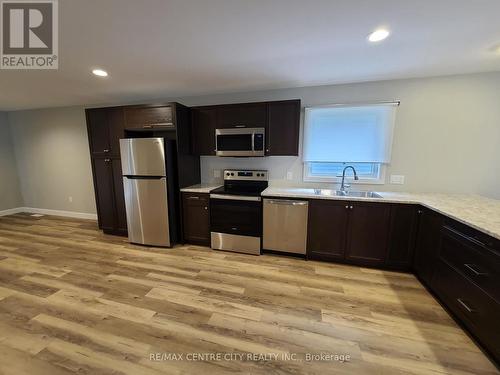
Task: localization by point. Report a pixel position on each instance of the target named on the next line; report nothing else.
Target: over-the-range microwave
(239, 142)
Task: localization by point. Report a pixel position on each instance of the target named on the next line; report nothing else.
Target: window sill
(348, 180)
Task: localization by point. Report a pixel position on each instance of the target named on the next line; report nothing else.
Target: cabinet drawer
(474, 308)
(477, 263)
(149, 117)
(195, 198)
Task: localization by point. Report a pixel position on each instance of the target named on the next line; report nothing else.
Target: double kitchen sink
(342, 193)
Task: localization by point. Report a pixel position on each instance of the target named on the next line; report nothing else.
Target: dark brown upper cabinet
(283, 128)
(204, 123)
(251, 115)
(115, 129)
(280, 119)
(149, 117)
(105, 128)
(97, 125)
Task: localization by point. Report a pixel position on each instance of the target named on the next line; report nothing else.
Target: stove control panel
(249, 175)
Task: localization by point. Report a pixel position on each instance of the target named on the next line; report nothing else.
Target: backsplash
(278, 167)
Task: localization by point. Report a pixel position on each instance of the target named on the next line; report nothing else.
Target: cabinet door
(196, 218)
(282, 133)
(368, 233)
(204, 123)
(121, 213)
(97, 126)
(428, 242)
(252, 115)
(103, 181)
(116, 126)
(149, 117)
(402, 236)
(327, 228)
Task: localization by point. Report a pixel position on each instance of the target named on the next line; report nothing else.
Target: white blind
(360, 134)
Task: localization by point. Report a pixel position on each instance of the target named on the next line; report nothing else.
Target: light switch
(289, 175)
(216, 173)
(397, 179)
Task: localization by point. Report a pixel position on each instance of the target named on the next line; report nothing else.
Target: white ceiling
(172, 48)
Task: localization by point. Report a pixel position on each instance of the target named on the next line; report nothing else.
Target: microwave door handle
(253, 141)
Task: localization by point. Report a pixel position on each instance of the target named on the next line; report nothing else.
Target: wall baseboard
(11, 211)
(44, 211)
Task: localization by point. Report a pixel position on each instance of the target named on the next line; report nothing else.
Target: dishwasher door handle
(287, 202)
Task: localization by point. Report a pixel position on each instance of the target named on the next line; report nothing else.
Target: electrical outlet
(70, 199)
(397, 179)
(216, 173)
(289, 176)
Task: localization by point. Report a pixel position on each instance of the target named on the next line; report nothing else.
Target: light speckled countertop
(476, 211)
(200, 188)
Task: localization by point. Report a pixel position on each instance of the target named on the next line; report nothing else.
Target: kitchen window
(336, 136)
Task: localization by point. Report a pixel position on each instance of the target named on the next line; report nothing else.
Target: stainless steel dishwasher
(285, 225)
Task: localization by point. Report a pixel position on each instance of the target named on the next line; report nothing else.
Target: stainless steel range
(236, 211)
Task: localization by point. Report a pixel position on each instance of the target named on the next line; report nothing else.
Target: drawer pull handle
(194, 198)
(464, 305)
(476, 272)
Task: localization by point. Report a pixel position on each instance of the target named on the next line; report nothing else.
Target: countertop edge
(201, 189)
(387, 200)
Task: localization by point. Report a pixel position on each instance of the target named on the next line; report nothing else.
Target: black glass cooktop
(248, 188)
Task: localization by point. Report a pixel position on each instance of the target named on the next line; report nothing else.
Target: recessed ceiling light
(378, 35)
(100, 72)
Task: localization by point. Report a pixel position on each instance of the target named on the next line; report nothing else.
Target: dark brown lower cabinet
(121, 213)
(353, 232)
(327, 229)
(368, 233)
(109, 195)
(402, 236)
(473, 307)
(196, 218)
(428, 242)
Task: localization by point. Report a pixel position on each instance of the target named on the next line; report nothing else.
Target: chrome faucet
(343, 186)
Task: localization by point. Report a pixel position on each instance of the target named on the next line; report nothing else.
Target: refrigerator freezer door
(143, 157)
(147, 211)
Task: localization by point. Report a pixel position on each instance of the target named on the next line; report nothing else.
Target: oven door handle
(235, 197)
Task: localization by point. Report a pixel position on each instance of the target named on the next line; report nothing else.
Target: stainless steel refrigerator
(145, 182)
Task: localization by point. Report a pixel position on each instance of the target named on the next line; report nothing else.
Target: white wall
(447, 134)
(10, 193)
(53, 158)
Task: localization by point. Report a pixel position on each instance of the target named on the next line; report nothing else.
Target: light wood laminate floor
(73, 300)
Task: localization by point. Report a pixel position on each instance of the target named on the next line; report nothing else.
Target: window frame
(379, 180)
